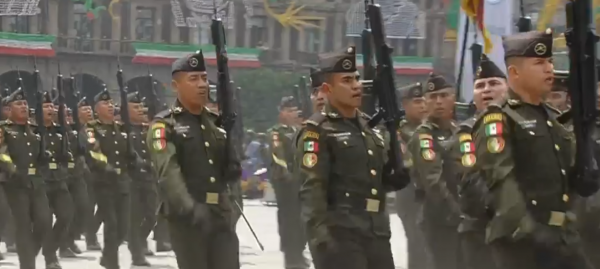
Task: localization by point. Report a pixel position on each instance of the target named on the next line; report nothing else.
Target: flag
(466, 147)
(475, 11)
(493, 129)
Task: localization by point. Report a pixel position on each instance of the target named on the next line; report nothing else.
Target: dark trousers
(33, 221)
(408, 209)
(524, 254)
(292, 238)
(61, 206)
(213, 247)
(93, 219)
(113, 207)
(143, 216)
(442, 243)
(5, 214)
(78, 190)
(589, 228)
(161, 231)
(475, 252)
(351, 249)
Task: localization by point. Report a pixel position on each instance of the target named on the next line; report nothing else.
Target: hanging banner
(19, 7)
(496, 12)
(193, 13)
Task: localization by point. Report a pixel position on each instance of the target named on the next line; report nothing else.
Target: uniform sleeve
(393, 180)
(313, 160)
(95, 158)
(278, 150)
(6, 163)
(495, 162)
(163, 154)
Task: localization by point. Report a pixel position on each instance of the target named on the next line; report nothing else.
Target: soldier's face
(105, 110)
(487, 90)
(440, 103)
(19, 110)
(557, 100)
(415, 108)
(536, 75)
(344, 89)
(85, 113)
(290, 115)
(318, 99)
(136, 112)
(191, 87)
(48, 109)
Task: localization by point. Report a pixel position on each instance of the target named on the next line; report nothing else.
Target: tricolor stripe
(26, 44)
(407, 65)
(162, 54)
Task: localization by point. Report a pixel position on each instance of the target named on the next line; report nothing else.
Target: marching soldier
(292, 240)
(57, 191)
(187, 150)
(525, 157)
(341, 164)
(92, 218)
(559, 96)
(489, 86)
(436, 176)
(23, 182)
(143, 192)
(105, 141)
(407, 205)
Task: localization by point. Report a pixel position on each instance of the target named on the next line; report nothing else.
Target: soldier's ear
(174, 85)
(326, 88)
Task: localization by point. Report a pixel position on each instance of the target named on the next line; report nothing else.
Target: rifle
(384, 88)
(367, 51)
(125, 113)
(581, 40)
(43, 158)
(304, 95)
(62, 120)
(153, 104)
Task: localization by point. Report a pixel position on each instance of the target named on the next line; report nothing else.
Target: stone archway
(88, 85)
(145, 86)
(9, 79)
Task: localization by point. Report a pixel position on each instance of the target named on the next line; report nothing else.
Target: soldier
(59, 198)
(489, 86)
(143, 192)
(341, 164)
(78, 171)
(559, 96)
(92, 218)
(109, 161)
(292, 240)
(436, 176)
(188, 153)
(24, 185)
(531, 196)
(407, 206)
(5, 215)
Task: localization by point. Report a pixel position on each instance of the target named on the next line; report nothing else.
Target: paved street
(264, 222)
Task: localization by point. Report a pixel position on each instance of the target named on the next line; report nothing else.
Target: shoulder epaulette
(425, 126)
(364, 115)
(163, 114)
(32, 123)
(118, 122)
(92, 122)
(468, 124)
(402, 123)
(214, 113)
(316, 119)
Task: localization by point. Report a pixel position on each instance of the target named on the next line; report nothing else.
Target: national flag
(425, 144)
(467, 147)
(311, 146)
(475, 11)
(494, 128)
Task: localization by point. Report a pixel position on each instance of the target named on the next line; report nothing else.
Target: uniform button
(143, 142)
(206, 144)
(24, 134)
(30, 165)
(117, 152)
(51, 143)
(373, 172)
(347, 195)
(533, 202)
(362, 133)
(531, 133)
(28, 144)
(210, 161)
(53, 159)
(549, 123)
(565, 198)
(202, 126)
(116, 142)
(117, 163)
(212, 179)
(143, 151)
(114, 132)
(563, 171)
(30, 154)
(374, 191)
(345, 143)
(557, 147)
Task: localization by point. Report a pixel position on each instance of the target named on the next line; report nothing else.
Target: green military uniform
(188, 152)
(436, 178)
(407, 205)
(77, 185)
(5, 215)
(57, 192)
(24, 186)
(473, 195)
(340, 162)
(525, 156)
(292, 239)
(143, 192)
(109, 162)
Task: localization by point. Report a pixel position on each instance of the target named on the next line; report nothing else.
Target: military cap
(17, 95)
(436, 83)
(134, 97)
(287, 101)
(83, 102)
(46, 98)
(531, 44)
(189, 63)
(104, 95)
(411, 91)
(488, 69)
(338, 62)
(316, 78)
(561, 81)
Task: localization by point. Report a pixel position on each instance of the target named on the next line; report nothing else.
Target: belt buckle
(53, 166)
(372, 205)
(31, 171)
(212, 198)
(71, 165)
(118, 170)
(557, 218)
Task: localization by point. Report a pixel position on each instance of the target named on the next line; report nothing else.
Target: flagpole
(463, 53)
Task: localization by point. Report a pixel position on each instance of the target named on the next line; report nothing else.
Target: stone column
(286, 35)
(52, 18)
(115, 47)
(158, 25)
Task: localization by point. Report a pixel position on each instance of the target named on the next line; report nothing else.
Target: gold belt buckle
(557, 218)
(212, 198)
(53, 166)
(31, 171)
(372, 205)
(118, 170)
(71, 165)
